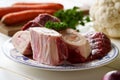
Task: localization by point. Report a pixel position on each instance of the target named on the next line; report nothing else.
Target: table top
(17, 71)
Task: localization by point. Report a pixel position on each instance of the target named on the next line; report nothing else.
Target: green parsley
(70, 18)
(56, 25)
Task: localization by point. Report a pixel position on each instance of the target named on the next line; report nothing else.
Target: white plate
(14, 55)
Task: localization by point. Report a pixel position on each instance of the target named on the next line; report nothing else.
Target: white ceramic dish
(14, 55)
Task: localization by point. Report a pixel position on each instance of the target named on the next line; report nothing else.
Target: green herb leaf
(72, 17)
(56, 25)
(87, 19)
(69, 19)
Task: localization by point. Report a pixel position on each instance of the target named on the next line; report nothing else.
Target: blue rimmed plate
(16, 56)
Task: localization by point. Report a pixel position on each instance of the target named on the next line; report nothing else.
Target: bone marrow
(78, 46)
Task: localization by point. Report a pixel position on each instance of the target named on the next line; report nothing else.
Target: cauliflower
(106, 17)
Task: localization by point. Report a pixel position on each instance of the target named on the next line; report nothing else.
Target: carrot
(42, 5)
(31, 4)
(26, 3)
(18, 17)
(6, 10)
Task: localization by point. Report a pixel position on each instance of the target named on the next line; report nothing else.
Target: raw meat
(40, 21)
(78, 46)
(21, 41)
(100, 44)
(48, 46)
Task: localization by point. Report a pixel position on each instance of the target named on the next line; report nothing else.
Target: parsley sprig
(56, 25)
(70, 18)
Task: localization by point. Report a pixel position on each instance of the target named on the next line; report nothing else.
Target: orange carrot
(6, 10)
(18, 17)
(32, 3)
(55, 6)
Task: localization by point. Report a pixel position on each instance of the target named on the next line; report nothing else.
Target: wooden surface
(9, 30)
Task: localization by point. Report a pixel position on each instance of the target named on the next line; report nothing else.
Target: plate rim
(60, 69)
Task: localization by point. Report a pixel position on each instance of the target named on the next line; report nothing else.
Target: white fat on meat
(48, 46)
(21, 42)
(76, 42)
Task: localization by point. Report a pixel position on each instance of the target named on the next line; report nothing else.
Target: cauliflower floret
(106, 17)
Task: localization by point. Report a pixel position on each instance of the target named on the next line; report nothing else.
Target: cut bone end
(77, 42)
